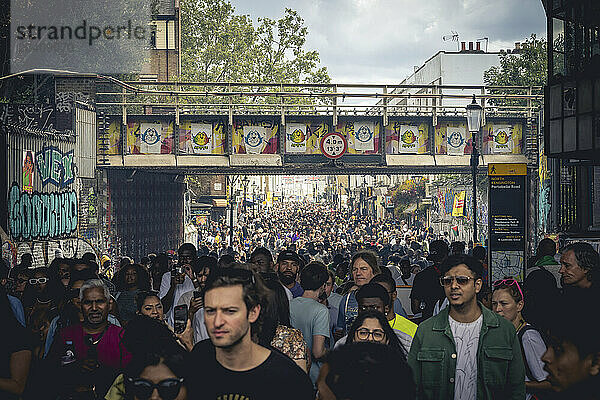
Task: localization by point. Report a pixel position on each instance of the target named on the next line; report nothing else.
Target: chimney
(470, 46)
(463, 46)
(478, 44)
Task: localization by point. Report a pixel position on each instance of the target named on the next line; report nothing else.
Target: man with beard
(288, 265)
(202, 267)
(466, 352)
(232, 365)
(94, 344)
(310, 316)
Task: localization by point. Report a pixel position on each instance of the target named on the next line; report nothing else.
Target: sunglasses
(461, 280)
(377, 334)
(508, 282)
(35, 281)
(168, 389)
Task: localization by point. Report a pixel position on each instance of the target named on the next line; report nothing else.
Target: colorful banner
(150, 138)
(28, 171)
(408, 142)
(254, 138)
(456, 140)
(364, 135)
(502, 139)
(458, 208)
(295, 139)
(202, 138)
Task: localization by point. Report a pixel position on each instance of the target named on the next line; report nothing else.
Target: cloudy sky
(380, 41)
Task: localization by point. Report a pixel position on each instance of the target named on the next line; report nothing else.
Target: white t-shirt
(466, 337)
(165, 285)
(534, 348)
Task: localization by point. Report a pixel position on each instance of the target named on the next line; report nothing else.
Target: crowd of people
(304, 313)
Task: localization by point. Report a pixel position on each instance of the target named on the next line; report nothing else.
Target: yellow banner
(507, 169)
(458, 208)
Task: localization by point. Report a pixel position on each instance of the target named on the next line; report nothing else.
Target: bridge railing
(177, 110)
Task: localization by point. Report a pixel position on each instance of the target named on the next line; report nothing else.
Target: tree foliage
(527, 67)
(220, 45)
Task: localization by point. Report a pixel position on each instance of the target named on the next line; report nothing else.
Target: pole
(232, 202)
(474, 165)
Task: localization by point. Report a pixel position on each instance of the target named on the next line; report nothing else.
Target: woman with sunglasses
(508, 301)
(42, 291)
(373, 326)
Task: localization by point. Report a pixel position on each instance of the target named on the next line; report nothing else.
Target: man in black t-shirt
(427, 290)
(230, 365)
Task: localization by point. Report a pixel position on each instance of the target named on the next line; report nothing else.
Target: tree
(219, 45)
(527, 67)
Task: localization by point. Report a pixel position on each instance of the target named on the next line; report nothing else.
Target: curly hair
(143, 277)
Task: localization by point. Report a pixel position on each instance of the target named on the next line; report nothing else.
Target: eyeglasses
(372, 307)
(168, 389)
(508, 282)
(34, 281)
(377, 334)
(461, 280)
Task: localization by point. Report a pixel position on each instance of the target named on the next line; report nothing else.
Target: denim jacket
(500, 369)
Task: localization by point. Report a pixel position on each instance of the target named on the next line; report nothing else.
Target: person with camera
(202, 267)
(177, 281)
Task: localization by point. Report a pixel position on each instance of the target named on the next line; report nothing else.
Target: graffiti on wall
(41, 215)
(45, 251)
(152, 137)
(202, 137)
(406, 137)
(28, 169)
(29, 116)
(88, 210)
(363, 136)
(255, 135)
(55, 167)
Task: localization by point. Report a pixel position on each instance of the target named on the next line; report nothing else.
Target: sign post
(507, 199)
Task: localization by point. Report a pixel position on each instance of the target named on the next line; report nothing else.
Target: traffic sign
(333, 145)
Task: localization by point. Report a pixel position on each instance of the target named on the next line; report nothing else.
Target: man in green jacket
(466, 352)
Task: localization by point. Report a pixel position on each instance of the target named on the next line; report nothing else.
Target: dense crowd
(306, 307)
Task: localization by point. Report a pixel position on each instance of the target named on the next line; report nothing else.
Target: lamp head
(474, 116)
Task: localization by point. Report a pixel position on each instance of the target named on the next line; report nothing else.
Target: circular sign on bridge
(333, 145)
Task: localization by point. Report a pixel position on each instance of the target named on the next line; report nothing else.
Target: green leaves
(526, 68)
(219, 45)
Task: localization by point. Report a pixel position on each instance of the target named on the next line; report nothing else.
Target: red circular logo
(333, 145)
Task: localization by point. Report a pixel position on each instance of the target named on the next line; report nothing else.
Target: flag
(408, 141)
(254, 138)
(202, 138)
(456, 140)
(364, 136)
(458, 209)
(502, 141)
(295, 138)
(150, 138)
(455, 230)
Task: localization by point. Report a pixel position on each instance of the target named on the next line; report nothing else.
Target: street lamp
(474, 111)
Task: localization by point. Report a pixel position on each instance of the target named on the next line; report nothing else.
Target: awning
(220, 203)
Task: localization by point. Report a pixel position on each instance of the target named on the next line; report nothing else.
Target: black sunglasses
(168, 389)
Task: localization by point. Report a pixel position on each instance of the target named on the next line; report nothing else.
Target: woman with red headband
(508, 301)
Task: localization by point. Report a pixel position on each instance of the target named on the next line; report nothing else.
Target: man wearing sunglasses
(231, 365)
(466, 351)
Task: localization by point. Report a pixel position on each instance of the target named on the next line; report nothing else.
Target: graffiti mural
(28, 168)
(253, 134)
(406, 137)
(152, 137)
(44, 252)
(29, 116)
(193, 141)
(502, 137)
(55, 167)
(452, 138)
(366, 141)
(88, 210)
(41, 215)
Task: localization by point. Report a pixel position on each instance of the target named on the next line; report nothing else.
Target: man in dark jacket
(466, 351)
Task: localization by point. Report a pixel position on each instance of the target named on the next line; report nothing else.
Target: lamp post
(474, 111)
(245, 181)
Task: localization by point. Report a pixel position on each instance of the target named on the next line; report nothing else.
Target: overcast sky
(380, 41)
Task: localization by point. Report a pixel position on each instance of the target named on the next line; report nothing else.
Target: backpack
(527, 327)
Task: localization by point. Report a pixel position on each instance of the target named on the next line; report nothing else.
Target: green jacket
(500, 369)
